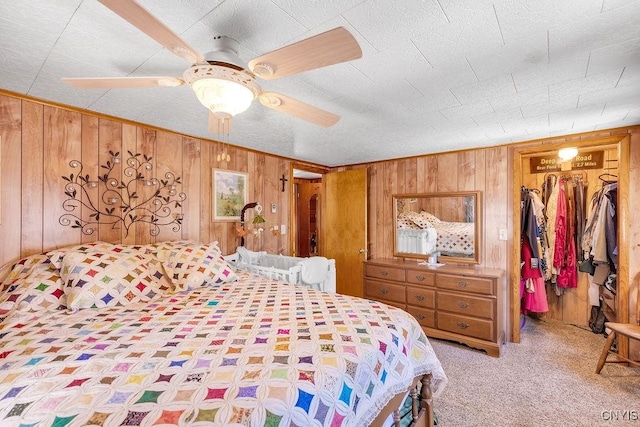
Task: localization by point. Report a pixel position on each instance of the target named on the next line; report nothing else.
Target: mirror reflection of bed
(443, 225)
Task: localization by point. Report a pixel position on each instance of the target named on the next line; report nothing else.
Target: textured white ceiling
(436, 75)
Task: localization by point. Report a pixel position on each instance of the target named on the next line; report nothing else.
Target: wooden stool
(617, 329)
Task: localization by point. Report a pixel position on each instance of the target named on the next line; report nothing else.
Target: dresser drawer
(466, 304)
(464, 325)
(384, 291)
(465, 284)
(420, 297)
(424, 316)
(421, 277)
(383, 272)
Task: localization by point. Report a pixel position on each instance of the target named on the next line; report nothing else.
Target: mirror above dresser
(442, 226)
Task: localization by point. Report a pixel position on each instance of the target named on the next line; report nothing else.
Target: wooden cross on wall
(284, 180)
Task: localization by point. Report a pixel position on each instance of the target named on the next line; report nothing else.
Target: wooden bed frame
(421, 405)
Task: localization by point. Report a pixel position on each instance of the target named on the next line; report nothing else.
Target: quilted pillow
(428, 216)
(162, 249)
(56, 255)
(191, 265)
(405, 222)
(419, 220)
(32, 284)
(103, 279)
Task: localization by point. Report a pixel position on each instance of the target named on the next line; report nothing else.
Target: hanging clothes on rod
(532, 285)
(600, 251)
(580, 192)
(599, 242)
(564, 198)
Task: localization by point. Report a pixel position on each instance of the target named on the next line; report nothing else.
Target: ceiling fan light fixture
(223, 96)
(222, 89)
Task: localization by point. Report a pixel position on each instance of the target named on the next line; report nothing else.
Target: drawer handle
(463, 304)
(421, 316)
(420, 277)
(384, 291)
(462, 284)
(420, 297)
(462, 325)
(384, 273)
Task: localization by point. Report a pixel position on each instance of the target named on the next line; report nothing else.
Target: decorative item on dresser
(458, 303)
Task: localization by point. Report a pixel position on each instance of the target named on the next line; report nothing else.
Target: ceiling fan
(221, 80)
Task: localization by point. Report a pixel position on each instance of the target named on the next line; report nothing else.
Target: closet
(563, 224)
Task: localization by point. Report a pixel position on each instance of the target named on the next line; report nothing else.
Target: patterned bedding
(249, 352)
(453, 238)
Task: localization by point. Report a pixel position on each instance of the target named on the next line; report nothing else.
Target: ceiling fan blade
(220, 124)
(331, 47)
(141, 18)
(298, 109)
(122, 82)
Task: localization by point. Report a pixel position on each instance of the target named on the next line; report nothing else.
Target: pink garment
(566, 266)
(567, 274)
(526, 254)
(561, 223)
(536, 301)
(532, 288)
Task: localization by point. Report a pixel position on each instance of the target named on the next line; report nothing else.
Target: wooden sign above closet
(551, 163)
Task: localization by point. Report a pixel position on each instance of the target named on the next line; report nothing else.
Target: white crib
(280, 267)
(416, 241)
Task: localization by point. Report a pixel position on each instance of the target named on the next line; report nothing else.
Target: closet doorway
(600, 162)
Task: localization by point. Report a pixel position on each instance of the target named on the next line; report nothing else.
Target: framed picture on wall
(229, 194)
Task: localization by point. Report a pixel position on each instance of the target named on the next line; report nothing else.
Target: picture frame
(229, 194)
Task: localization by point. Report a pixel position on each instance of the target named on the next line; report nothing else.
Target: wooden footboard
(421, 405)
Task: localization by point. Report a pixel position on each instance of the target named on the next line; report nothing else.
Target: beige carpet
(546, 380)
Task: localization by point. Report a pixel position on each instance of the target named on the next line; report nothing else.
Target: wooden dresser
(464, 304)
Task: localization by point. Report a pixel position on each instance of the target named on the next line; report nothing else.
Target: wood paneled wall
(39, 140)
(478, 170)
(489, 170)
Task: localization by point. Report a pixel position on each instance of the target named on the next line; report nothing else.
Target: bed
(170, 334)
(419, 230)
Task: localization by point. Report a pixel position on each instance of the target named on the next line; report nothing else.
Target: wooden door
(345, 227)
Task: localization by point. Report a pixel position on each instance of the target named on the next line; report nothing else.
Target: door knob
(362, 251)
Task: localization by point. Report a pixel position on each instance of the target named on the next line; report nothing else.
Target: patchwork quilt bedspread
(455, 237)
(254, 352)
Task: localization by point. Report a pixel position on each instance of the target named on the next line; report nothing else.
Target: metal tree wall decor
(120, 202)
